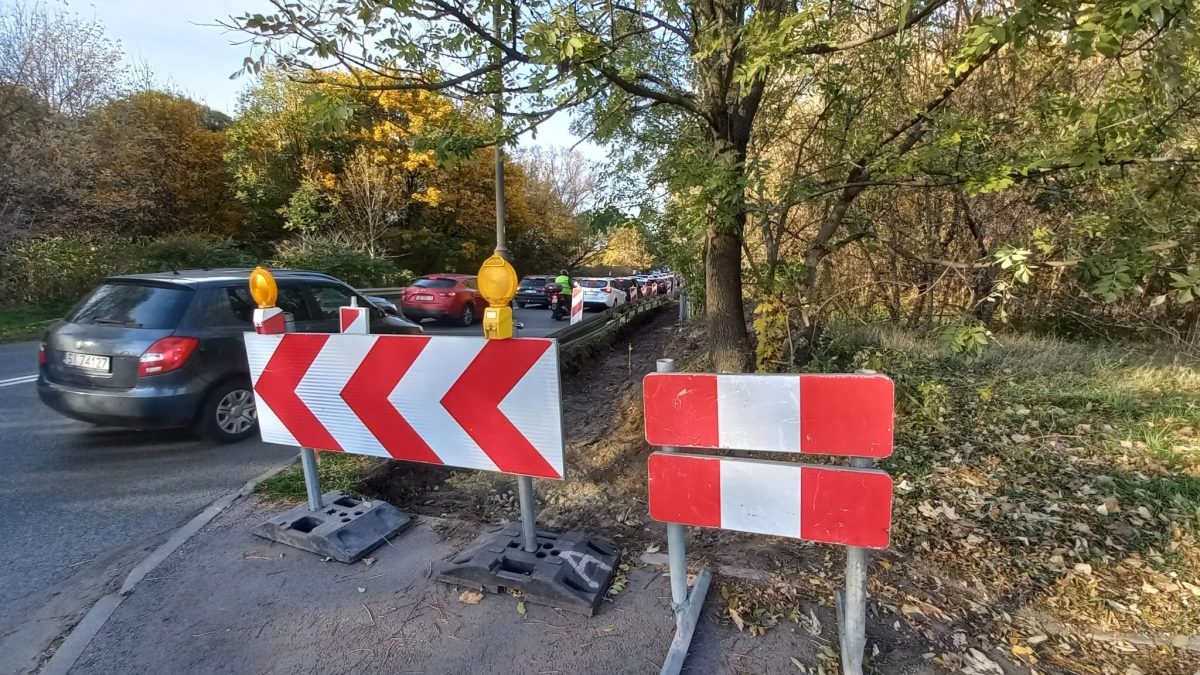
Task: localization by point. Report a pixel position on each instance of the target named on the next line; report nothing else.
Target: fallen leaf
(977, 663)
(1083, 568)
(1144, 512)
(361, 589)
(368, 561)
(737, 619)
(521, 607)
(796, 662)
(652, 548)
(1021, 438)
(1110, 505)
(974, 539)
(1192, 587)
(1021, 650)
(1037, 639)
(470, 597)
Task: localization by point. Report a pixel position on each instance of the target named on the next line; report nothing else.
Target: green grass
(26, 322)
(337, 472)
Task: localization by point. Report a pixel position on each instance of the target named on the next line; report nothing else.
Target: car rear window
(533, 282)
(593, 283)
(133, 305)
(434, 283)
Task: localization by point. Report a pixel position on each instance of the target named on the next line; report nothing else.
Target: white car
(601, 292)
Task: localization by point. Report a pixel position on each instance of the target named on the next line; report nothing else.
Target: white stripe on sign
(438, 367)
(321, 389)
(258, 353)
(18, 380)
(758, 412)
(764, 502)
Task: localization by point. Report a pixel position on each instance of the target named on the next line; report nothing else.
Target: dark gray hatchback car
(166, 350)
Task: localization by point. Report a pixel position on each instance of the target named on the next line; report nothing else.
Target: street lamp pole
(501, 244)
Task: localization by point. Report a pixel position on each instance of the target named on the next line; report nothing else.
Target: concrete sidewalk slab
(230, 602)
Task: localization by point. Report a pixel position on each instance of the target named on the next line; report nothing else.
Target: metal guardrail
(607, 322)
(604, 323)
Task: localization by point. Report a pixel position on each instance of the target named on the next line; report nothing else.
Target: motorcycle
(560, 301)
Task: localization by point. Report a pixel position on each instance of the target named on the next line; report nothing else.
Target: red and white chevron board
(830, 504)
(576, 305)
(811, 413)
(354, 320)
(467, 402)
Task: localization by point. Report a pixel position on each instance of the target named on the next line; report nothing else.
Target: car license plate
(87, 361)
(422, 298)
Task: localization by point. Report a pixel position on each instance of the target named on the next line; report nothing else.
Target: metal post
(676, 546)
(312, 481)
(524, 483)
(501, 244)
(852, 605)
(528, 513)
(683, 308)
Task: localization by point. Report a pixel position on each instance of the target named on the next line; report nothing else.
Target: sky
(179, 41)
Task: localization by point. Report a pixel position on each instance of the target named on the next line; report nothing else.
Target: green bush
(61, 269)
(186, 254)
(344, 262)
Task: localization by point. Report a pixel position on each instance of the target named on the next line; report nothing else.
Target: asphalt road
(79, 505)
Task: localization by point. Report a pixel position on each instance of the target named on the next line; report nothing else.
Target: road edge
(79, 637)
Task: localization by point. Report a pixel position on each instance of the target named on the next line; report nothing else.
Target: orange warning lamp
(497, 284)
(263, 288)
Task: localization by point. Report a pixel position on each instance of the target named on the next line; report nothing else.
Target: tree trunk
(729, 344)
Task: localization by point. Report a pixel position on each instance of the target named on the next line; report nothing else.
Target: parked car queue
(165, 350)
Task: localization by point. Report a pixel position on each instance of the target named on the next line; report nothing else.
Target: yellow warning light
(497, 284)
(497, 281)
(263, 288)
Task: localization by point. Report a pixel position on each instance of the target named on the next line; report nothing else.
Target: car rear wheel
(468, 315)
(228, 414)
(521, 305)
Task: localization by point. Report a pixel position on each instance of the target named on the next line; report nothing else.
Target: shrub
(343, 261)
(182, 254)
(59, 268)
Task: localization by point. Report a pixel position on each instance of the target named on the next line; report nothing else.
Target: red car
(453, 298)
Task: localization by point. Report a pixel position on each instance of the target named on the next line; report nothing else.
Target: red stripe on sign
(277, 387)
(845, 506)
(685, 489)
(681, 410)
(367, 391)
(474, 402)
(348, 315)
(846, 415)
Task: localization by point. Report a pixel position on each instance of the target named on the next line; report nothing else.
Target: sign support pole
(852, 602)
(528, 513)
(686, 605)
(312, 480)
(676, 546)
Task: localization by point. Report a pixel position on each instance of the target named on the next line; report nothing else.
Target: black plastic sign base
(345, 529)
(570, 571)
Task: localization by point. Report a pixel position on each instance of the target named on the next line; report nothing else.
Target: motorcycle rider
(563, 279)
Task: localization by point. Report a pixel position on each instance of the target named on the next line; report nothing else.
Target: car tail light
(42, 354)
(166, 355)
(606, 289)
(446, 295)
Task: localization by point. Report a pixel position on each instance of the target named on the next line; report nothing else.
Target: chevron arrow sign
(466, 402)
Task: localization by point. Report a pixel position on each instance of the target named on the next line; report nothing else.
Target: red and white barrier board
(812, 413)
(576, 305)
(354, 320)
(467, 402)
(830, 504)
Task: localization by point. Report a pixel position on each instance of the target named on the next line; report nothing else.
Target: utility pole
(501, 243)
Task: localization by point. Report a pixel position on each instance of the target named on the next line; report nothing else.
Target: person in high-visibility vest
(564, 280)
